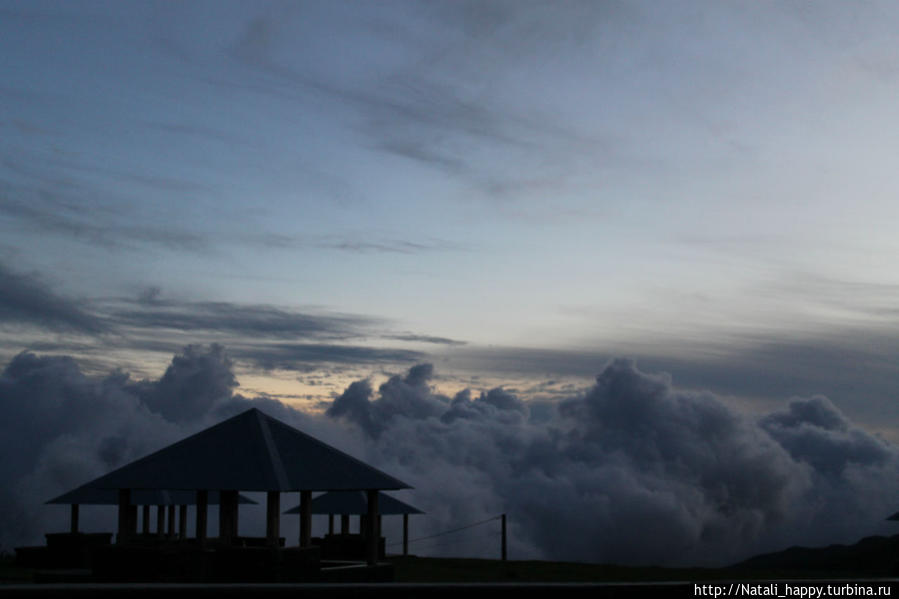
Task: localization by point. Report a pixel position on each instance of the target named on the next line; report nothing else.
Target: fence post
(504, 538)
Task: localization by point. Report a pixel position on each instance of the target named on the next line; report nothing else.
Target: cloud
(43, 213)
(294, 356)
(632, 470)
(59, 428)
(814, 431)
(426, 339)
(408, 396)
(259, 321)
(25, 299)
(194, 383)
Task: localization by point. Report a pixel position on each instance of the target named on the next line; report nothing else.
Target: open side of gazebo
(162, 499)
(355, 503)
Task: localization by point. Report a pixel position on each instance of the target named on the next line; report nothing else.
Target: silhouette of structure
(87, 495)
(249, 452)
(350, 503)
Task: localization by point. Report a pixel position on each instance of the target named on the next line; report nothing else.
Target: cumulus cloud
(633, 470)
(195, 381)
(408, 397)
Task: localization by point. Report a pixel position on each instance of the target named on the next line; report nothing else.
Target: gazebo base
(186, 563)
(345, 547)
(63, 550)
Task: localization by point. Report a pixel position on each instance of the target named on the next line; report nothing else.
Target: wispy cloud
(27, 300)
(153, 313)
(425, 339)
(297, 356)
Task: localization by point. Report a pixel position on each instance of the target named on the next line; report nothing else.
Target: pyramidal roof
(354, 502)
(249, 452)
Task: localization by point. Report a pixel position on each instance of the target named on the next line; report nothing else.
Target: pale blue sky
(695, 184)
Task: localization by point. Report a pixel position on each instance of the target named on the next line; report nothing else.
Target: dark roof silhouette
(249, 452)
(354, 502)
(894, 516)
(86, 495)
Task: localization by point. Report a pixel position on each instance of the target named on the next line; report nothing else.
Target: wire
(446, 532)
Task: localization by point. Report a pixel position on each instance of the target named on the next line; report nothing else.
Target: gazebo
(249, 452)
(349, 503)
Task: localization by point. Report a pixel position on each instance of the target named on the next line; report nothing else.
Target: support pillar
(227, 515)
(273, 518)
(504, 538)
(160, 519)
(182, 522)
(202, 504)
(305, 518)
(171, 527)
(123, 525)
(145, 517)
(132, 521)
(74, 524)
(371, 521)
(344, 524)
(405, 534)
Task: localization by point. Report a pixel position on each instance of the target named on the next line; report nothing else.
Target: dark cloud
(815, 431)
(26, 300)
(399, 396)
(633, 470)
(426, 339)
(763, 367)
(295, 356)
(60, 428)
(258, 321)
(495, 404)
(197, 380)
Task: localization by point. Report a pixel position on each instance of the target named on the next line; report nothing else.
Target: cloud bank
(633, 470)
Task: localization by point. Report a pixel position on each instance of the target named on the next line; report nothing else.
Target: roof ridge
(272, 449)
(332, 448)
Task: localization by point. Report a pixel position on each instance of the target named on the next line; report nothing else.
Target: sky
(312, 199)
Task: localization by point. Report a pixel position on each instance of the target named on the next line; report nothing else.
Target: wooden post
(228, 515)
(330, 524)
(132, 521)
(344, 524)
(182, 522)
(160, 519)
(171, 529)
(504, 538)
(273, 518)
(202, 505)
(405, 534)
(372, 538)
(123, 528)
(305, 518)
(145, 515)
(74, 524)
